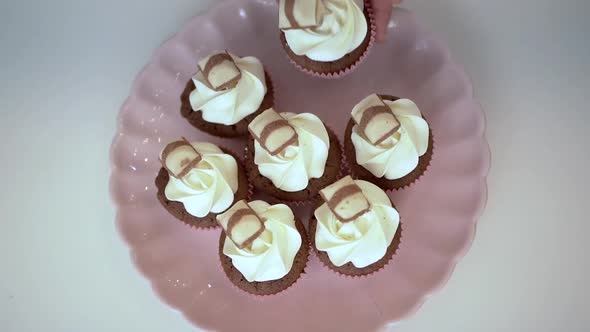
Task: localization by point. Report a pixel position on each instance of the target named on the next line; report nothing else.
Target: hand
(382, 15)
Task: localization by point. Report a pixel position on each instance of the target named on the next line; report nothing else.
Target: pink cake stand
(440, 211)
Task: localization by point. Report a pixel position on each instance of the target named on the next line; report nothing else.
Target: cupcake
(355, 229)
(199, 180)
(291, 156)
(326, 38)
(388, 142)
(226, 94)
(263, 248)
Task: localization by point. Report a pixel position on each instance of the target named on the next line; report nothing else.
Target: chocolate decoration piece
(299, 14)
(220, 71)
(375, 119)
(179, 157)
(273, 132)
(241, 224)
(345, 199)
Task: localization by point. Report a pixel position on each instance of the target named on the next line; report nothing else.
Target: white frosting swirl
(363, 241)
(343, 27)
(398, 155)
(230, 106)
(210, 186)
(291, 169)
(271, 255)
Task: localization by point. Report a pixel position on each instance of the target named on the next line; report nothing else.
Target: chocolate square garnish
(375, 119)
(179, 157)
(345, 199)
(241, 224)
(220, 71)
(299, 14)
(273, 132)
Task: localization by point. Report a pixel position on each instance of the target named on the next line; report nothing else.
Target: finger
(382, 15)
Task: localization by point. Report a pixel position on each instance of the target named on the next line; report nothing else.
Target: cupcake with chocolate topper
(225, 94)
(354, 229)
(199, 180)
(263, 248)
(291, 156)
(326, 38)
(388, 142)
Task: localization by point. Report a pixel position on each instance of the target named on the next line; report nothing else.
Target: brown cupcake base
(359, 172)
(331, 173)
(236, 130)
(177, 208)
(349, 269)
(273, 286)
(336, 66)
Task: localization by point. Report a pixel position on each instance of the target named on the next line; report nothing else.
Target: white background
(66, 66)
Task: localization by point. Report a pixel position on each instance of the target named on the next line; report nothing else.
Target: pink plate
(439, 212)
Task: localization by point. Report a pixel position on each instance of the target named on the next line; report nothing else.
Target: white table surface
(66, 66)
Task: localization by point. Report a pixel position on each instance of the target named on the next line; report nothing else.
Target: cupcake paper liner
(250, 191)
(293, 203)
(372, 30)
(344, 166)
(201, 228)
(260, 297)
